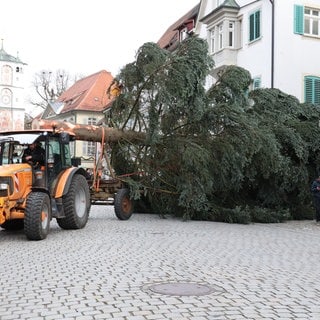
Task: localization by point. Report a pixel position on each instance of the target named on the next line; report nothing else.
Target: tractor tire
(76, 204)
(15, 224)
(37, 216)
(123, 205)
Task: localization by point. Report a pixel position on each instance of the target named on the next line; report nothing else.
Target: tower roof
(4, 56)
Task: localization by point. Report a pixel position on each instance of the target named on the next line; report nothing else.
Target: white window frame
(220, 36)
(90, 146)
(311, 21)
(231, 33)
(213, 40)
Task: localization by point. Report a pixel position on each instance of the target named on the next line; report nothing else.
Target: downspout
(272, 44)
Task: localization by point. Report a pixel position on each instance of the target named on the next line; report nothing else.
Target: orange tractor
(31, 195)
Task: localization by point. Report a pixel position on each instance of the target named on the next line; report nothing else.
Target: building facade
(12, 93)
(83, 103)
(277, 41)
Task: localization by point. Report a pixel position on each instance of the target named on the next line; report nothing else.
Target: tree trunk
(90, 132)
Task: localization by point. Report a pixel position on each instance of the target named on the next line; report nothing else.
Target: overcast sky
(84, 36)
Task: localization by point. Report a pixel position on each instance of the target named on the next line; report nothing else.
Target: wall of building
(295, 56)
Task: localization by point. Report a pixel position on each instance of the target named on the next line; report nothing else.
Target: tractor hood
(9, 169)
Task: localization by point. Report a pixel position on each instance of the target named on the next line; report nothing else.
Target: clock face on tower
(6, 95)
(6, 99)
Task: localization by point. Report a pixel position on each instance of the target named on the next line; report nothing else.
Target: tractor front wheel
(37, 216)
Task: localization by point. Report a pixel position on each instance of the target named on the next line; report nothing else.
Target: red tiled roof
(88, 94)
(171, 36)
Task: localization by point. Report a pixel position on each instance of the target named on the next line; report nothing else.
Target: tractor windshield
(20, 138)
(12, 146)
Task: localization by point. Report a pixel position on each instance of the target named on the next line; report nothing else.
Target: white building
(12, 102)
(277, 41)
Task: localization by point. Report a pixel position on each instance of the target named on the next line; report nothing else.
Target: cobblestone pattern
(106, 270)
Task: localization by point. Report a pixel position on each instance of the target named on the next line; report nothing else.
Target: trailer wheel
(76, 204)
(123, 205)
(37, 216)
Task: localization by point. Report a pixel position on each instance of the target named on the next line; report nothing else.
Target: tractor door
(58, 158)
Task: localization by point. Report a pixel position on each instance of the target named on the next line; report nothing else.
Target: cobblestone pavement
(153, 268)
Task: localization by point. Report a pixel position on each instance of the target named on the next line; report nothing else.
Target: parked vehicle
(31, 195)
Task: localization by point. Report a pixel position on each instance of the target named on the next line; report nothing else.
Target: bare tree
(50, 85)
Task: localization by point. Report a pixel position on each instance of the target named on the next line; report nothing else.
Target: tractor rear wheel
(37, 216)
(76, 204)
(123, 205)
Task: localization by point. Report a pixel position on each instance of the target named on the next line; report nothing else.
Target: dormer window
(183, 34)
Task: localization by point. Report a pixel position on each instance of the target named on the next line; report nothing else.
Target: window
(231, 34)
(183, 34)
(92, 121)
(306, 21)
(256, 83)
(220, 37)
(311, 21)
(223, 35)
(312, 89)
(90, 146)
(254, 26)
(212, 41)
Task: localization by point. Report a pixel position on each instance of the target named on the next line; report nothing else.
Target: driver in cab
(34, 154)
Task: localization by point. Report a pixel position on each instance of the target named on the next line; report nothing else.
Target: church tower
(12, 104)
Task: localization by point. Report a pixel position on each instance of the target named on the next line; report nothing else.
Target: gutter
(272, 44)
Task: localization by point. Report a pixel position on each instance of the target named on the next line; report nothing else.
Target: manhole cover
(182, 289)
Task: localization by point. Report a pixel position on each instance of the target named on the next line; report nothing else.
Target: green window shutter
(298, 19)
(312, 90)
(256, 83)
(254, 26)
(257, 25)
(317, 91)
(251, 27)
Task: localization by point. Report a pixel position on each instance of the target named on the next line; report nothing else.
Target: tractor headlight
(4, 186)
(4, 189)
